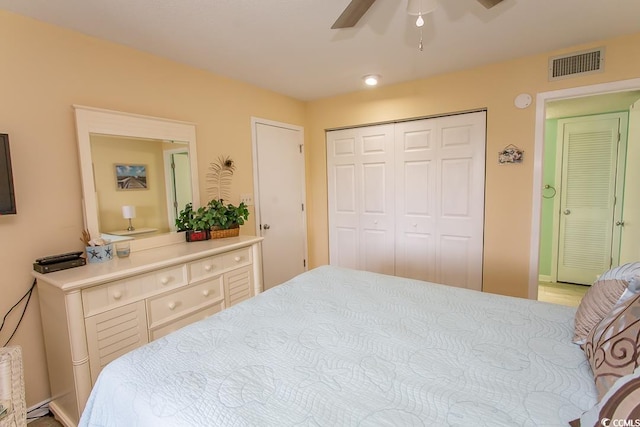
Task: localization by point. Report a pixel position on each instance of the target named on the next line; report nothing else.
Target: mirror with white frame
(138, 172)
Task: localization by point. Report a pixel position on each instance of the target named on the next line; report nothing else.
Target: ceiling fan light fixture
(371, 79)
(421, 7)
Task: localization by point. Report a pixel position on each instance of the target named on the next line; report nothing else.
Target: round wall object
(523, 100)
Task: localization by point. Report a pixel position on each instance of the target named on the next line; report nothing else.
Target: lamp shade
(128, 212)
(421, 7)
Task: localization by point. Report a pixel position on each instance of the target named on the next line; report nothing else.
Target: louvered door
(587, 203)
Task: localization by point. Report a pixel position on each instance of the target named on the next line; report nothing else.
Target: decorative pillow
(613, 346)
(621, 402)
(601, 297)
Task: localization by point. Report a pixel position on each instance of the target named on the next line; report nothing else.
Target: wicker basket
(229, 232)
(12, 387)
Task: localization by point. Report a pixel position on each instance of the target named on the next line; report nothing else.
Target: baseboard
(544, 278)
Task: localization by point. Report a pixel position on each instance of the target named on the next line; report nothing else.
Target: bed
(340, 347)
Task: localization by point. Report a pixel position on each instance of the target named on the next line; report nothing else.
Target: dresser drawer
(237, 258)
(101, 298)
(191, 318)
(179, 302)
(206, 267)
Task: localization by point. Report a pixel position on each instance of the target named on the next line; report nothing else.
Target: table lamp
(129, 212)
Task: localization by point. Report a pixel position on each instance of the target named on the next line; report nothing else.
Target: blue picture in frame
(131, 177)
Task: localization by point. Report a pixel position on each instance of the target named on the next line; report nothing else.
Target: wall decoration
(131, 177)
(219, 178)
(510, 154)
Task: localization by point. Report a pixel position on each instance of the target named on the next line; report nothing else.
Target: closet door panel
(375, 252)
(456, 188)
(344, 252)
(360, 182)
(415, 199)
(376, 213)
(417, 246)
(454, 269)
(460, 216)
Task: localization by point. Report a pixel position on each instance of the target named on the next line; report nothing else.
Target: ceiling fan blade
(352, 14)
(489, 3)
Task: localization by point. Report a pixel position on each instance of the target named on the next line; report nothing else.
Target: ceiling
(287, 45)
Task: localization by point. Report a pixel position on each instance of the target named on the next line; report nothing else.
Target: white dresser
(95, 313)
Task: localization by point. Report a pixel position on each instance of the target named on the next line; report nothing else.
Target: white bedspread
(336, 347)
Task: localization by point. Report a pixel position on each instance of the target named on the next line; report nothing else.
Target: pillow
(621, 402)
(604, 293)
(613, 347)
(595, 305)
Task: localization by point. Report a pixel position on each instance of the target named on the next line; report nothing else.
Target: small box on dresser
(94, 314)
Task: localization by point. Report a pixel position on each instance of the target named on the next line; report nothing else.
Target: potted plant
(195, 223)
(213, 220)
(226, 219)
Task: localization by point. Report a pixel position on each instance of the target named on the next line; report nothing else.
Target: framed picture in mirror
(131, 177)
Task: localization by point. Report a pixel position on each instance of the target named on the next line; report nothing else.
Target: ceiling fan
(357, 8)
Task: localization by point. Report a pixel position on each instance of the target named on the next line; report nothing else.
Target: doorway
(585, 101)
(587, 204)
(279, 182)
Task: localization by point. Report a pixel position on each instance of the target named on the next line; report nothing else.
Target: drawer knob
(237, 259)
(172, 305)
(165, 280)
(205, 292)
(117, 295)
(208, 267)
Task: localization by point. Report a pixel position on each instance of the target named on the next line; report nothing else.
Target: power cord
(24, 310)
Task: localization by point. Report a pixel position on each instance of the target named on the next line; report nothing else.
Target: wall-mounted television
(7, 195)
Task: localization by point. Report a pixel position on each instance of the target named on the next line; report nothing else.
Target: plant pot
(197, 236)
(227, 232)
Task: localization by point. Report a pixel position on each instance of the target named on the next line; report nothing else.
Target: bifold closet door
(408, 198)
(361, 200)
(440, 176)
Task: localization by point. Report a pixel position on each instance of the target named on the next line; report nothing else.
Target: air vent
(576, 64)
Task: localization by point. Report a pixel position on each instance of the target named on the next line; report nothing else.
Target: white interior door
(440, 168)
(280, 208)
(587, 197)
(361, 202)
(630, 222)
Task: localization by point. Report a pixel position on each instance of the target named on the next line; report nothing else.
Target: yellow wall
(508, 206)
(44, 71)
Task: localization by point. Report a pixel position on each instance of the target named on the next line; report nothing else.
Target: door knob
(266, 227)
(567, 211)
(620, 223)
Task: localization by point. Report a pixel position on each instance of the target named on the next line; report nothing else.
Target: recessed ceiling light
(371, 80)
